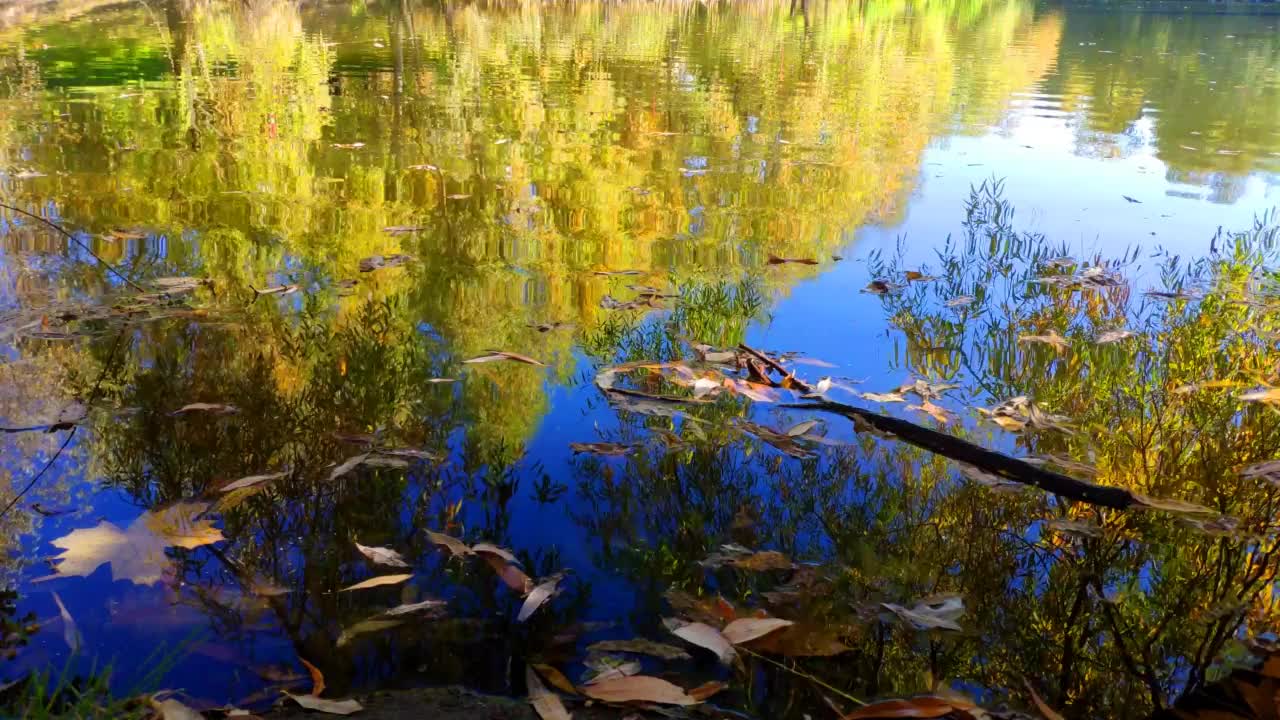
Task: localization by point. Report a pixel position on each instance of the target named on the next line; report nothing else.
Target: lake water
(590, 183)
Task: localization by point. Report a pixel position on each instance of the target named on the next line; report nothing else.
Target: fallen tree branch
(954, 448)
(989, 461)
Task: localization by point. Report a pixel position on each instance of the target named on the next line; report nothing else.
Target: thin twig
(77, 241)
(804, 675)
(93, 394)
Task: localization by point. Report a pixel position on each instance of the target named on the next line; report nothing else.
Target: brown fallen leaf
(546, 703)
(762, 561)
(878, 287)
(537, 597)
(638, 688)
(317, 677)
(382, 556)
(172, 709)
(378, 262)
(1267, 395)
(211, 408)
(377, 581)
(606, 449)
(924, 706)
(347, 466)
(1114, 336)
(512, 576)
(556, 678)
(455, 546)
(1051, 338)
(612, 273)
(890, 397)
(332, 707)
(640, 646)
(917, 276)
(491, 549)
(495, 355)
(252, 481)
(403, 229)
(607, 667)
(775, 260)
(747, 629)
(706, 637)
(706, 690)
(937, 412)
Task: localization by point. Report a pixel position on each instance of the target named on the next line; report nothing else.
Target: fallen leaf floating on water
(706, 690)
(1266, 395)
(537, 597)
(638, 688)
(878, 287)
(775, 260)
(612, 273)
(382, 556)
(403, 229)
(424, 606)
(925, 706)
(171, 709)
(748, 629)
(455, 546)
(704, 636)
(1051, 338)
(458, 196)
(1132, 200)
(1114, 336)
(937, 412)
(1075, 528)
(608, 667)
(275, 290)
(640, 646)
(743, 559)
(378, 262)
(1146, 502)
(801, 428)
(317, 677)
(932, 613)
(70, 633)
(252, 481)
(211, 408)
(365, 627)
(917, 276)
(546, 703)
(602, 448)
(347, 466)
(512, 576)
(332, 707)
(496, 355)
(960, 301)
(890, 397)
(136, 554)
(1269, 471)
(705, 386)
(556, 678)
(348, 146)
(174, 285)
(377, 581)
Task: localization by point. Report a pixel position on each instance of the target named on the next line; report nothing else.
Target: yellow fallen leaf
(377, 581)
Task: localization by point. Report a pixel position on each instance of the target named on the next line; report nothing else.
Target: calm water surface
(520, 153)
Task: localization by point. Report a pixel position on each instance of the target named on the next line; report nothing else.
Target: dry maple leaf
(136, 554)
